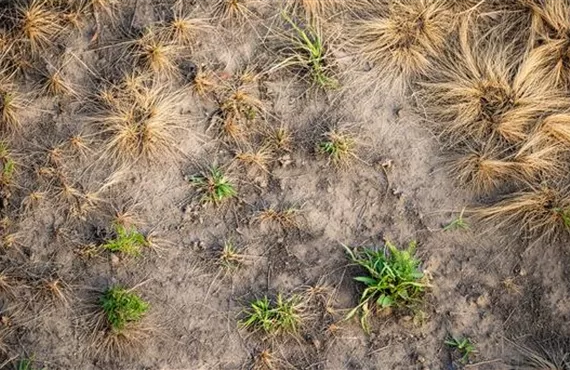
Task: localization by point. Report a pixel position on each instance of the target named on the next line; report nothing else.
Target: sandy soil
(489, 286)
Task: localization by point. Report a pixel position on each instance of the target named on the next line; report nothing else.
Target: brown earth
(490, 286)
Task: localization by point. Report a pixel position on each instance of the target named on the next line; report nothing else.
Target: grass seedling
(230, 258)
(393, 279)
(214, 186)
(458, 224)
(283, 316)
(339, 147)
(28, 364)
(128, 241)
(308, 51)
(463, 345)
(122, 307)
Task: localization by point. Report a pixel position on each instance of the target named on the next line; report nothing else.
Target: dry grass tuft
(484, 171)
(12, 103)
(238, 111)
(37, 25)
(55, 84)
(205, 82)
(233, 10)
(259, 159)
(543, 212)
(157, 54)
(286, 218)
(479, 96)
(139, 122)
(403, 42)
(184, 30)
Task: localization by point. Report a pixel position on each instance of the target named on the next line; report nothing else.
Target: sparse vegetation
(308, 51)
(230, 258)
(122, 307)
(393, 279)
(105, 103)
(338, 146)
(463, 346)
(286, 218)
(214, 186)
(126, 240)
(282, 316)
(457, 224)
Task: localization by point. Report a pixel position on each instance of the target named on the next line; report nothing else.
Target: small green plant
(121, 307)
(338, 147)
(282, 316)
(393, 279)
(463, 345)
(308, 51)
(230, 258)
(214, 186)
(128, 241)
(27, 363)
(458, 224)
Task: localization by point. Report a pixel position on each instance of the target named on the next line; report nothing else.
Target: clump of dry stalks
(504, 111)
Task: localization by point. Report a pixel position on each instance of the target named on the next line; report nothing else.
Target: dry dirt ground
(489, 286)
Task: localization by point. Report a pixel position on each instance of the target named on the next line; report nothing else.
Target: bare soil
(492, 287)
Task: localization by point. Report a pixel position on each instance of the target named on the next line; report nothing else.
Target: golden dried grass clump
(540, 212)
(12, 103)
(139, 120)
(37, 25)
(184, 29)
(475, 97)
(239, 108)
(492, 168)
(157, 54)
(403, 42)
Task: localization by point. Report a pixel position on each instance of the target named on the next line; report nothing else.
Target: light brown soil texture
(490, 286)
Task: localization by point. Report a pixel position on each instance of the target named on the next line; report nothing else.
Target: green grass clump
(463, 345)
(308, 51)
(393, 279)
(284, 315)
(27, 364)
(457, 224)
(128, 241)
(121, 307)
(214, 186)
